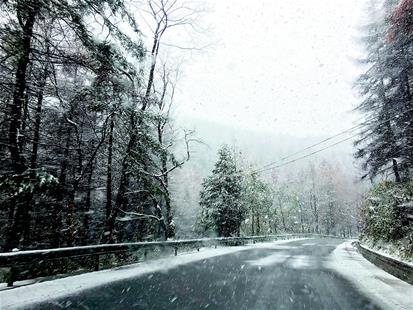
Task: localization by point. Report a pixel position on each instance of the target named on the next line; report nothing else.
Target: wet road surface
(286, 276)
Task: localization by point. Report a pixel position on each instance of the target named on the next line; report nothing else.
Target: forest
(90, 152)
(86, 137)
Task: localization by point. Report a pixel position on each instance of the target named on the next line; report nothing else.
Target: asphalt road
(289, 276)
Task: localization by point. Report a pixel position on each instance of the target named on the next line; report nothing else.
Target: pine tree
(221, 197)
(386, 139)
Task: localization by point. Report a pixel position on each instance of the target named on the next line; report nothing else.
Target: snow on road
(269, 260)
(21, 297)
(293, 261)
(374, 283)
(391, 292)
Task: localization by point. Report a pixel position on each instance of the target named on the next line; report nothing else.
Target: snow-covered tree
(386, 140)
(81, 106)
(258, 199)
(221, 197)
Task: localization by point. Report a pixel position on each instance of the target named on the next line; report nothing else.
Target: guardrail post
(176, 251)
(96, 263)
(145, 254)
(10, 277)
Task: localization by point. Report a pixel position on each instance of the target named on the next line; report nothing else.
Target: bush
(382, 218)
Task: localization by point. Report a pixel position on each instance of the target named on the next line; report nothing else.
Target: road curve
(292, 275)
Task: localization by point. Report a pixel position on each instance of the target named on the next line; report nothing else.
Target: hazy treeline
(238, 199)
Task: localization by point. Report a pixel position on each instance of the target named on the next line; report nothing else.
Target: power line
(280, 163)
(305, 156)
(313, 145)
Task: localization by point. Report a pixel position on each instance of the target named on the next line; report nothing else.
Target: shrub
(381, 215)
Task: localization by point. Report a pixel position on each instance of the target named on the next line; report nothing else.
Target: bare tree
(166, 14)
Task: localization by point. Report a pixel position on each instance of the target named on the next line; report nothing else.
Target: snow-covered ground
(391, 292)
(21, 297)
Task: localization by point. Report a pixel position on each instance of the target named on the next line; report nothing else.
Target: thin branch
(137, 216)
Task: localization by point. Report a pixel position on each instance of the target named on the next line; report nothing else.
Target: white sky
(281, 66)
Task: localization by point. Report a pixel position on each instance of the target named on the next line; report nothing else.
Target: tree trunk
(252, 225)
(154, 55)
(170, 229)
(37, 121)
(301, 221)
(16, 155)
(16, 209)
(408, 97)
(282, 216)
(258, 225)
(121, 195)
(169, 217)
(25, 111)
(396, 171)
(61, 195)
(88, 203)
(313, 202)
(315, 213)
(109, 169)
(34, 154)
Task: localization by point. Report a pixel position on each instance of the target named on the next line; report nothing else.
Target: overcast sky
(279, 66)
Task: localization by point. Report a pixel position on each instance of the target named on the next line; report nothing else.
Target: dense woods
(86, 139)
(385, 145)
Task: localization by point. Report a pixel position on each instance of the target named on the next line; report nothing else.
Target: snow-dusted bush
(383, 219)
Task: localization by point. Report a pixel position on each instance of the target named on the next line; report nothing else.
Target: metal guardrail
(15, 261)
(396, 268)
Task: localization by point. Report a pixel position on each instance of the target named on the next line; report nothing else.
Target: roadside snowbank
(27, 295)
(388, 250)
(389, 291)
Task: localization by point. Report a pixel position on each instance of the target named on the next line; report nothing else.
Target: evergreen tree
(386, 141)
(221, 197)
(377, 145)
